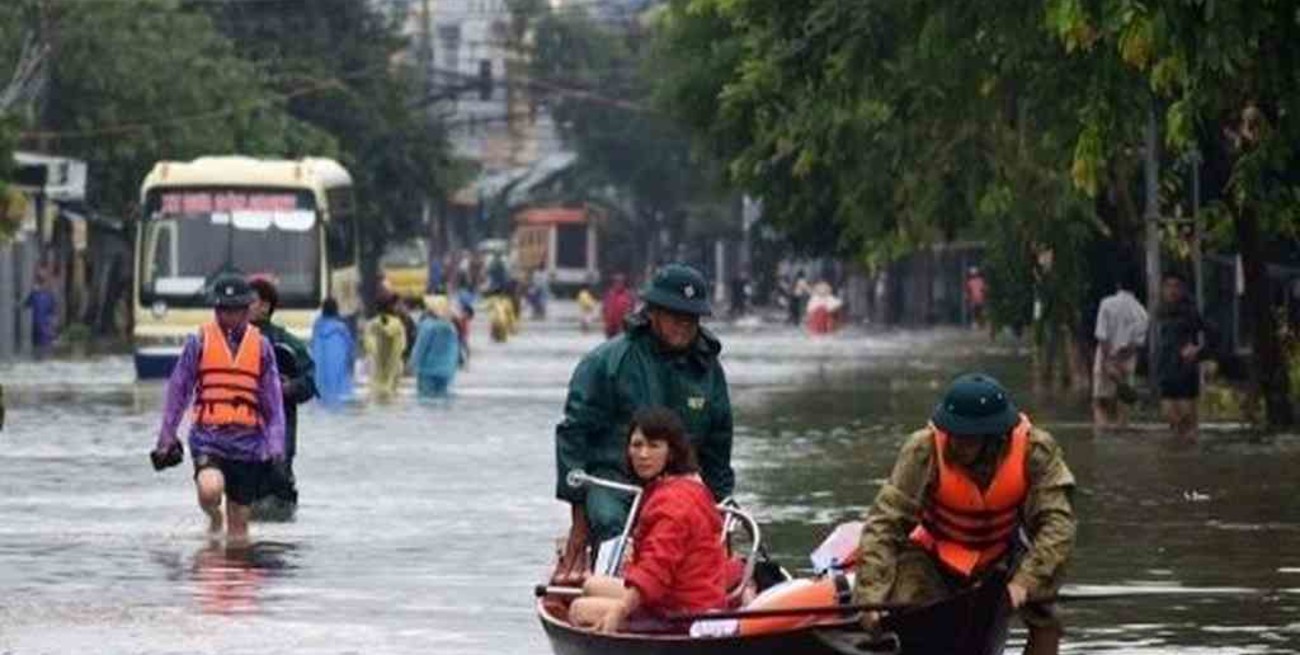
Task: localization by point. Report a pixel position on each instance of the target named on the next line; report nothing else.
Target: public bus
(291, 220)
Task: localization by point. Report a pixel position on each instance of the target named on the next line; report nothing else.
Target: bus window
(341, 241)
(162, 263)
(188, 249)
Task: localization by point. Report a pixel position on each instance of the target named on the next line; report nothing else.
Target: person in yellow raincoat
(501, 317)
(385, 339)
(586, 309)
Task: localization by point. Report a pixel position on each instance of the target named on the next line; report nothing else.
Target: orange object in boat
(824, 591)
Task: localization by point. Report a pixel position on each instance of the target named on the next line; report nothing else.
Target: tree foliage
(366, 98)
(133, 82)
(1228, 77)
(875, 128)
(600, 78)
(891, 124)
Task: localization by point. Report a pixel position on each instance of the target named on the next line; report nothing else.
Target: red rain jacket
(678, 562)
(615, 307)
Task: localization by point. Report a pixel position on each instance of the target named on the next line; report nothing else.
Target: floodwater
(424, 526)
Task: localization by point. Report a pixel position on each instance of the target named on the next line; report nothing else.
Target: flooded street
(423, 527)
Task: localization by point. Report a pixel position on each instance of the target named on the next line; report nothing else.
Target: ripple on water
(424, 526)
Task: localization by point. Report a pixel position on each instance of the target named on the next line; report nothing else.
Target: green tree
(371, 103)
(133, 82)
(1228, 77)
(598, 82)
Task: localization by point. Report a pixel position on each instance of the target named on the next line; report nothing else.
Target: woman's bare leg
(602, 586)
(587, 612)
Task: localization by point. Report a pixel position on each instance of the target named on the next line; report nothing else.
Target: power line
(141, 126)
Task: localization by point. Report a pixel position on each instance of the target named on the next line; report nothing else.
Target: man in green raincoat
(297, 386)
(663, 358)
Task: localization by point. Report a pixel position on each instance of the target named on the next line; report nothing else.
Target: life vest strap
(221, 370)
(971, 541)
(203, 388)
(957, 523)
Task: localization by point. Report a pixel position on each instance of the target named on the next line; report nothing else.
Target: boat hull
(972, 623)
(566, 640)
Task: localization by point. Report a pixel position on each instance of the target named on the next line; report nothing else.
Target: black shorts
(246, 482)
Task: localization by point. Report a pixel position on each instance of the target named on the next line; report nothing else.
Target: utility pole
(426, 45)
(1198, 244)
(1151, 218)
(434, 249)
(1198, 234)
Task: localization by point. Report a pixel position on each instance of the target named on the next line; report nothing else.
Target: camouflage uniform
(893, 569)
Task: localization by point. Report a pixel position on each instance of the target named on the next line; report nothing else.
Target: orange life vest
(228, 385)
(966, 528)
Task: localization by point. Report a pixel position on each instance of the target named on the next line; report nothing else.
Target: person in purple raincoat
(228, 380)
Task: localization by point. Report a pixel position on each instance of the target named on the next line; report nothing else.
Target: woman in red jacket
(678, 562)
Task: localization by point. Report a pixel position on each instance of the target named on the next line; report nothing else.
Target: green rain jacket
(300, 388)
(632, 371)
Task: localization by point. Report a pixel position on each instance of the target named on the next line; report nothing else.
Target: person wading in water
(962, 490)
(227, 378)
(297, 386)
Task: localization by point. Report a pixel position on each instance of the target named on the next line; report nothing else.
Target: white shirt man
(1121, 332)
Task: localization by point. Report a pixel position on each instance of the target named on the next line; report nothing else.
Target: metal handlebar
(734, 513)
(579, 478)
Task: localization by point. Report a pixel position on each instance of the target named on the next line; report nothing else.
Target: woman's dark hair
(663, 424)
(330, 307)
(266, 290)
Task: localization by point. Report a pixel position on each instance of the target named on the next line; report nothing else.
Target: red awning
(551, 216)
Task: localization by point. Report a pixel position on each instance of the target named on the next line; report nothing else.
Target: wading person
(45, 314)
(436, 354)
(664, 358)
(1178, 360)
(333, 352)
(297, 386)
(678, 562)
(960, 492)
(227, 378)
(1121, 332)
(617, 303)
(385, 339)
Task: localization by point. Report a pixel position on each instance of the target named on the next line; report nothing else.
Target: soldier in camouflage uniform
(961, 491)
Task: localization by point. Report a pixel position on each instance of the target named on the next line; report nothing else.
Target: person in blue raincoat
(436, 353)
(333, 350)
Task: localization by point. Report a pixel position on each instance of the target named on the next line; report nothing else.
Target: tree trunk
(1268, 370)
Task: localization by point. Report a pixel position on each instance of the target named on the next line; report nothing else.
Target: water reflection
(229, 578)
(423, 527)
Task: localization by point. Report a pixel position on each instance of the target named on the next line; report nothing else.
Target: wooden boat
(971, 623)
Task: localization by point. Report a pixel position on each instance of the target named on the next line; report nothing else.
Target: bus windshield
(186, 242)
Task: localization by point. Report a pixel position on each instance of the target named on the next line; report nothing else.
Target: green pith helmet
(231, 290)
(679, 288)
(975, 404)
